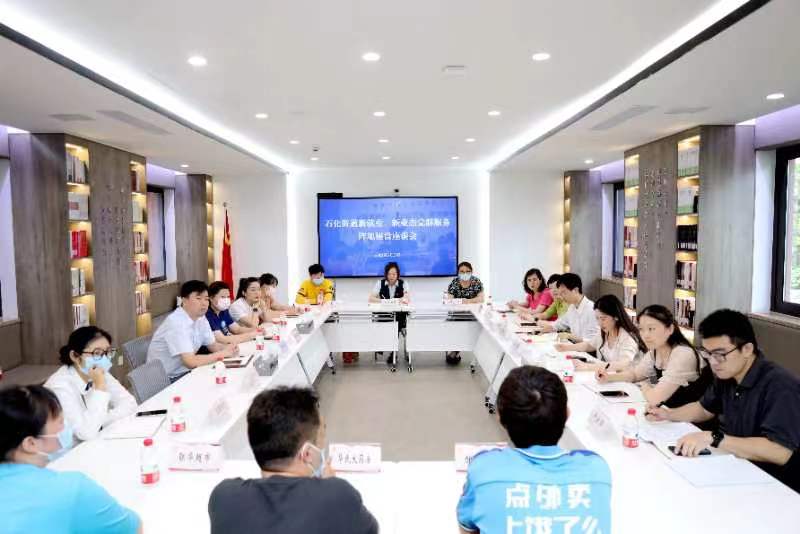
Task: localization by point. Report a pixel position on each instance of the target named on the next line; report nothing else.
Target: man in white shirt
(184, 332)
(579, 319)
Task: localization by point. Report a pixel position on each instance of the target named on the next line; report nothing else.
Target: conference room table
(648, 495)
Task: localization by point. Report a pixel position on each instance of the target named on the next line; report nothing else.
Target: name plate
(219, 413)
(195, 457)
(465, 452)
(600, 424)
(250, 379)
(355, 457)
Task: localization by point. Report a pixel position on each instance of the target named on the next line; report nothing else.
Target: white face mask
(223, 304)
(318, 471)
(465, 277)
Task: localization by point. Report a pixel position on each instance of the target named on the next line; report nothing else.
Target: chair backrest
(147, 380)
(135, 351)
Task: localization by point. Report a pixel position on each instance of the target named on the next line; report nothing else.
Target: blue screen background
(422, 235)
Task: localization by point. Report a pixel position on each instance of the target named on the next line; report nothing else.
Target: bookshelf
(687, 221)
(630, 229)
(567, 213)
(79, 234)
(141, 259)
(210, 226)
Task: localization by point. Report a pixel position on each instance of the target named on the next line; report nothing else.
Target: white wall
(257, 215)
(470, 186)
(7, 271)
(526, 230)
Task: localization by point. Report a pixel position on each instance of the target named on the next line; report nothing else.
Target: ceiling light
(294, 142)
(262, 116)
(314, 158)
(494, 113)
(470, 139)
(588, 161)
(379, 113)
(371, 56)
(197, 61)
(454, 157)
(184, 166)
(540, 56)
(386, 157)
(383, 140)
(775, 96)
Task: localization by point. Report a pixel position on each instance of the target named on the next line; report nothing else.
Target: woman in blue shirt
(36, 499)
(225, 329)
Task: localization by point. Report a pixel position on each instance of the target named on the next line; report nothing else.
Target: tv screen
(358, 236)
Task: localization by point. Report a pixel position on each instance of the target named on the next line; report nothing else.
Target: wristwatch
(716, 438)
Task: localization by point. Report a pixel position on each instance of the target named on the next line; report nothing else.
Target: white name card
(219, 413)
(355, 457)
(195, 457)
(600, 424)
(250, 380)
(465, 452)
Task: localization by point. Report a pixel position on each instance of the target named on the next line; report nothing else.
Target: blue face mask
(65, 440)
(317, 472)
(95, 361)
(465, 277)
(318, 281)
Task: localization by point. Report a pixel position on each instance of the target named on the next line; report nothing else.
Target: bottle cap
(631, 411)
(148, 442)
(176, 399)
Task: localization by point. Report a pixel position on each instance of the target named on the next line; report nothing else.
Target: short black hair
(466, 264)
(539, 275)
(78, 340)
(389, 266)
(316, 269)
(279, 421)
(731, 323)
(532, 404)
(216, 287)
(570, 281)
(554, 278)
(244, 283)
(24, 411)
(268, 279)
(193, 286)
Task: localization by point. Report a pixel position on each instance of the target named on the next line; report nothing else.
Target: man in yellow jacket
(316, 289)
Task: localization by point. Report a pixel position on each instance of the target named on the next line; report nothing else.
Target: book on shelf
(138, 183)
(687, 237)
(77, 170)
(629, 267)
(141, 270)
(631, 203)
(78, 205)
(686, 275)
(684, 312)
(139, 243)
(689, 161)
(80, 315)
(631, 172)
(78, 244)
(141, 303)
(137, 211)
(78, 281)
(629, 297)
(687, 199)
(630, 236)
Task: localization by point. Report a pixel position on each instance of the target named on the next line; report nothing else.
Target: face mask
(316, 472)
(223, 304)
(64, 440)
(318, 281)
(95, 361)
(465, 277)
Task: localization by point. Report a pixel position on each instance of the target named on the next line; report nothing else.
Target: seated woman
(618, 344)
(469, 289)
(391, 286)
(247, 309)
(90, 397)
(269, 289)
(677, 374)
(557, 308)
(538, 297)
(225, 329)
(36, 499)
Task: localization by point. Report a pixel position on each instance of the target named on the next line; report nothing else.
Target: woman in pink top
(537, 298)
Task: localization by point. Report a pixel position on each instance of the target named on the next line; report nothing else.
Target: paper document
(133, 427)
(664, 433)
(723, 470)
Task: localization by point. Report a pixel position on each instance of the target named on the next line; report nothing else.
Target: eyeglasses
(110, 352)
(719, 357)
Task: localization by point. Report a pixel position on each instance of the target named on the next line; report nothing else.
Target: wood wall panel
(191, 235)
(162, 297)
(41, 251)
(610, 287)
(10, 344)
(779, 342)
(586, 229)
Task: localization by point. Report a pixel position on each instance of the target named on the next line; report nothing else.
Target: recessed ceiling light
(494, 113)
(470, 139)
(455, 157)
(262, 116)
(775, 96)
(371, 56)
(383, 140)
(294, 142)
(379, 113)
(588, 161)
(540, 56)
(386, 157)
(184, 166)
(197, 61)
(314, 158)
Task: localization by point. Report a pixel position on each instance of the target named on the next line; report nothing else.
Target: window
(156, 234)
(619, 228)
(786, 242)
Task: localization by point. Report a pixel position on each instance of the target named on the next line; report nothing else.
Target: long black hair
(613, 307)
(664, 316)
(244, 283)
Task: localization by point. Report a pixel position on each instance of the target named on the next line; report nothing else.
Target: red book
(73, 248)
(83, 244)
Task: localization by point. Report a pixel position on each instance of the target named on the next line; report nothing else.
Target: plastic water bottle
(489, 302)
(630, 430)
(220, 373)
(259, 346)
(177, 419)
(445, 296)
(149, 463)
(320, 298)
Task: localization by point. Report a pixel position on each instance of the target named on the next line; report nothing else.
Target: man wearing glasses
(757, 400)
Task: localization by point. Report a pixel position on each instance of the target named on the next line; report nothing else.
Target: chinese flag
(227, 263)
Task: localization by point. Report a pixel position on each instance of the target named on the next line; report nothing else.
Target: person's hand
(564, 336)
(692, 444)
(601, 375)
(585, 366)
(657, 413)
(98, 378)
(562, 347)
(329, 471)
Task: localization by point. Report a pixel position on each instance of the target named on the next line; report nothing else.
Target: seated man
(316, 289)
(758, 401)
(535, 486)
(179, 338)
(298, 491)
(579, 322)
(36, 499)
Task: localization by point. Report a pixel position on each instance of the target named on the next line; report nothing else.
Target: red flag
(227, 262)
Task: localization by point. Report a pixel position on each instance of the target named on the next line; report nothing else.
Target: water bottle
(177, 419)
(630, 430)
(149, 463)
(445, 296)
(320, 298)
(259, 346)
(220, 373)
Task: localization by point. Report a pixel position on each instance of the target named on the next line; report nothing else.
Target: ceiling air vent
(686, 110)
(621, 117)
(130, 120)
(71, 117)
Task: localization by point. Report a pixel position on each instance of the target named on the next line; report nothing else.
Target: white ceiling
(300, 62)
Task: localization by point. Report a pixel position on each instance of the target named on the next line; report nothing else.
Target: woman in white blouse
(617, 345)
(676, 374)
(248, 309)
(90, 397)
